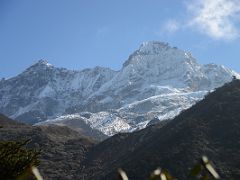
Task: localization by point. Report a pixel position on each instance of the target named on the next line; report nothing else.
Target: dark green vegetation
(211, 128)
(16, 160)
(204, 170)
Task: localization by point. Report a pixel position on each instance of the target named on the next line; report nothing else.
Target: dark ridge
(5, 121)
(62, 149)
(211, 127)
(81, 127)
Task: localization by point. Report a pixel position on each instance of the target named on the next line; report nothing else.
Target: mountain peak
(43, 62)
(158, 53)
(157, 84)
(40, 65)
(153, 46)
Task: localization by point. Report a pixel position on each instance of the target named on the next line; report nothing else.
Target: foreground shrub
(204, 170)
(17, 161)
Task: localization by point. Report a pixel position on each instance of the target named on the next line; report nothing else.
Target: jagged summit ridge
(153, 47)
(39, 67)
(157, 53)
(156, 81)
(42, 63)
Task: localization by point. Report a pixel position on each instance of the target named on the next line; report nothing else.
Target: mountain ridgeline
(156, 82)
(211, 127)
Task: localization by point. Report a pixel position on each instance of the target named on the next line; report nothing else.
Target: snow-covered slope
(156, 81)
(43, 91)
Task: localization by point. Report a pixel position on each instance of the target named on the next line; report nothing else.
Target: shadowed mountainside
(62, 149)
(77, 124)
(211, 127)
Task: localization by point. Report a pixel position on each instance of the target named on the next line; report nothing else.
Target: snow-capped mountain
(156, 81)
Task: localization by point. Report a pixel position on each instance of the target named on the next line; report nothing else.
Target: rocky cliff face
(156, 81)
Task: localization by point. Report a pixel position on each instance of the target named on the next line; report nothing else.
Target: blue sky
(81, 34)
